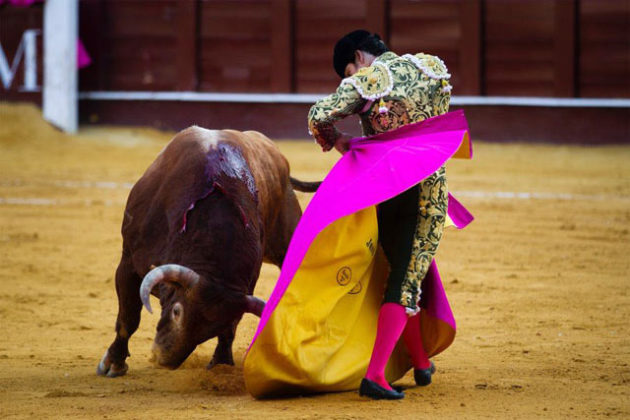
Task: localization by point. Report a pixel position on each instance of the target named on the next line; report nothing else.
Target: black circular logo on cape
(356, 289)
(344, 275)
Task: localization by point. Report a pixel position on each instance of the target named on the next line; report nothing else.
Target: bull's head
(193, 311)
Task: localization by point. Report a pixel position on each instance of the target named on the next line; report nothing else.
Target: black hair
(361, 40)
(374, 45)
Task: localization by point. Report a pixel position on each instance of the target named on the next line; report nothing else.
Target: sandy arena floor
(538, 284)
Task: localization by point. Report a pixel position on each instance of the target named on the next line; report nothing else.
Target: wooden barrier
(542, 48)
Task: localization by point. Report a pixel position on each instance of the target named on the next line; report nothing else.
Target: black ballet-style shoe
(376, 392)
(423, 376)
(397, 388)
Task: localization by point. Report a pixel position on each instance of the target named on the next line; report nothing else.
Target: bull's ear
(254, 305)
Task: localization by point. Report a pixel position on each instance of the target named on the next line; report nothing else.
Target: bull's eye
(176, 311)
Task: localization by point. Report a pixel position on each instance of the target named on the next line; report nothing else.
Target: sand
(538, 284)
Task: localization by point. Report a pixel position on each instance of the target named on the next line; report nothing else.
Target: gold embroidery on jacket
(402, 93)
(432, 210)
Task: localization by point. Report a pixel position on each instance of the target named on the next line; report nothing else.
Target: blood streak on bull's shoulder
(230, 162)
(233, 164)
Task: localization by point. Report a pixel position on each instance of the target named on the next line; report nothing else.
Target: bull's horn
(173, 273)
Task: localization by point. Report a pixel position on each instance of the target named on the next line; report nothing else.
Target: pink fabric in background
(21, 3)
(83, 58)
(376, 169)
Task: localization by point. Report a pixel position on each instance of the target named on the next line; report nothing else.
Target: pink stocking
(392, 319)
(413, 340)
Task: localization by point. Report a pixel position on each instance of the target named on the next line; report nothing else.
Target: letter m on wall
(26, 51)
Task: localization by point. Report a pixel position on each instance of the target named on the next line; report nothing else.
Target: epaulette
(430, 65)
(372, 82)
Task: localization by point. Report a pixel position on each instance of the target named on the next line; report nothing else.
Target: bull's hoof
(111, 369)
(215, 362)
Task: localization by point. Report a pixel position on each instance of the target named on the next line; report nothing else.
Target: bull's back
(278, 204)
(183, 173)
(269, 167)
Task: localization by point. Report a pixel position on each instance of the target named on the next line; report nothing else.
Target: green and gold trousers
(410, 227)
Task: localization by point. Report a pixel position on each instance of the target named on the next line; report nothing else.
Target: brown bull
(211, 207)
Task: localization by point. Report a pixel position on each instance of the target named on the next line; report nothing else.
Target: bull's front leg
(223, 351)
(129, 308)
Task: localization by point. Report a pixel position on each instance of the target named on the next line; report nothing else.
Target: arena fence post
(60, 85)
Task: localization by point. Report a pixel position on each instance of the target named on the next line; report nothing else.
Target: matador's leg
(432, 211)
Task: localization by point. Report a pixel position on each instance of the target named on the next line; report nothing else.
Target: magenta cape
(374, 170)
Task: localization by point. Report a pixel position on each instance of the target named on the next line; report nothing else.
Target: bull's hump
(224, 156)
(207, 139)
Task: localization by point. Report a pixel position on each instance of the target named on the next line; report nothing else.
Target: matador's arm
(327, 111)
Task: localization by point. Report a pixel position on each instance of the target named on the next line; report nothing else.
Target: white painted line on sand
(483, 195)
(37, 201)
(112, 185)
(103, 185)
(539, 196)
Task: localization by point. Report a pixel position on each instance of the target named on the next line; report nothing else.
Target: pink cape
(374, 170)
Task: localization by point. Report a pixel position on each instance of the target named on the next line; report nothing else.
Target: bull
(197, 226)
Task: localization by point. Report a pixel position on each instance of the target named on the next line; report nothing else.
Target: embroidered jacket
(392, 92)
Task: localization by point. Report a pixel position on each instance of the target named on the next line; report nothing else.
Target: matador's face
(361, 59)
(351, 68)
